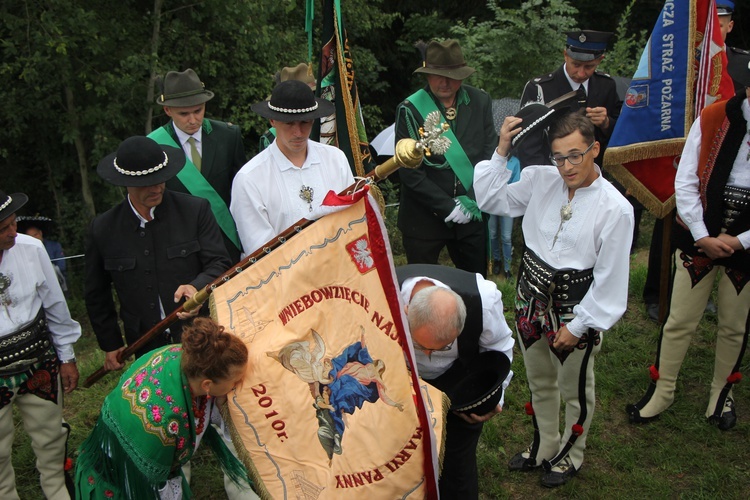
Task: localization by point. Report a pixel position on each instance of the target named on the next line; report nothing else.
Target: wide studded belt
(20, 350)
(736, 202)
(560, 289)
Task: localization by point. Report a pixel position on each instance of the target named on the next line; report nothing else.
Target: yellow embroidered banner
(328, 407)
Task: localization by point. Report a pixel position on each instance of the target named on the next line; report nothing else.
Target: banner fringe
(243, 454)
(441, 452)
(642, 151)
(653, 204)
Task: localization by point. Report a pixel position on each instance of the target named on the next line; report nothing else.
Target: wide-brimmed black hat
(139, 161)
(293, 101)
(586, 45)
(10, 203)
(45, 224)
(445, 59)
(182, 89)
(739, 66)
(537, 116)
(480, 390)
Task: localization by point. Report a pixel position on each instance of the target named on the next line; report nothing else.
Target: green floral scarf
(146, 432)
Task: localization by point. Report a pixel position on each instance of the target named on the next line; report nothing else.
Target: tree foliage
(77, 77)
(517, 44)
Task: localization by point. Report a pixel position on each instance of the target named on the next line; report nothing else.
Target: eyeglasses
(430, 351)
(573, 158)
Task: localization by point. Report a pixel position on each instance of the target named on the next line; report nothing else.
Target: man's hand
(110, 360)
(732, 241)
(714, 248)
(598, 116)
(457, 216)
(185, 292)
(510, 128)
(564, 340)
(473, 418)
(69, 376)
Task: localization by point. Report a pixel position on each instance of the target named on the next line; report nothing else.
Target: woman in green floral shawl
(151, 424)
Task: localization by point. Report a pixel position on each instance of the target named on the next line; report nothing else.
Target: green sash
(456, 156)
(200, 187)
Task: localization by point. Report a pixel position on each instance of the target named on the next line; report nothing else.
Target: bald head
(439, 311)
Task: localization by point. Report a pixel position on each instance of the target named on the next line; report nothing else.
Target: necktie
(194, 155)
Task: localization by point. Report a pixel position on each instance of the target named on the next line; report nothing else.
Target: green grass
(679, 456)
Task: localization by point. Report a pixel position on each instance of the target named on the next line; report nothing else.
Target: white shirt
(495, 336)
(183, 138)
(33, 285)
(266, 192)
(686, 185)
(575, 85)
(598, 235)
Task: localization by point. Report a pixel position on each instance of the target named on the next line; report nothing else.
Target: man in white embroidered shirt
(573, 282)
(289, 179)
(37, 362)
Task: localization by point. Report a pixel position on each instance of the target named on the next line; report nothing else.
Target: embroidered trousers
(685, 311)
(42, 421)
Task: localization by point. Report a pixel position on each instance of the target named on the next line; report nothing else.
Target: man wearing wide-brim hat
(214, 150)
(156, 247)
(37, 361)
(438, 207)
(455, 318)
(289, 179)
(711, 238)
(301, 72)
(584, 51)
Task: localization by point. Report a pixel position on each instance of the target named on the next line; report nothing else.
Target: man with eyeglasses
(453, 316)
(573, 282)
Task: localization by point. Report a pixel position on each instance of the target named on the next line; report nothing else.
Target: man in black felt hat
(37, 361)
(711, 236)
(157, 247)
(288, 180)
(455, 316)
(438, 207)
(300, 72)
(573, 283)
(584, 51)
(214, 150)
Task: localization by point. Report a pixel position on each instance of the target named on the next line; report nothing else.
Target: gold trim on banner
(642, 151)
(641, 193)
(242, 453)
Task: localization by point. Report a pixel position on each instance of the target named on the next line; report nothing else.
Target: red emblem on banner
(361, 255)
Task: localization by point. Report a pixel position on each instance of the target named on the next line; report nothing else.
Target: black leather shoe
(653, 312)
(634, 415)
(496, 267)
(519, 463)
(728, 418)
(559, 474)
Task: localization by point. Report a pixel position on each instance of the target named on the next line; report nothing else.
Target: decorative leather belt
(20, 350)
(560, 289)
(736, 202)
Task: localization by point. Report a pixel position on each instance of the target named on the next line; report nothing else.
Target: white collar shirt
(495, 336)
(598, 234)
(183, 140)
(270, 194)
(687, 185)
(27, 283)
